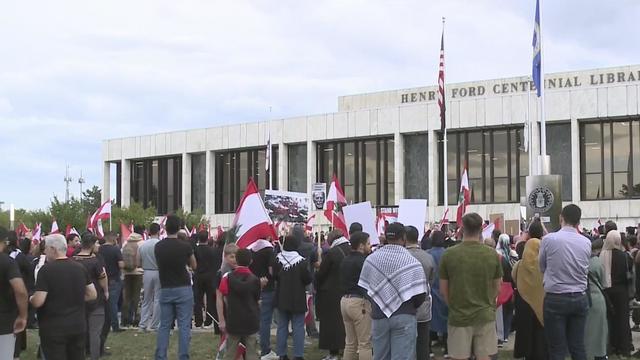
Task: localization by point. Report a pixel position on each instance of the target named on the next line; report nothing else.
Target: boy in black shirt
(209, 260)
(241, 291)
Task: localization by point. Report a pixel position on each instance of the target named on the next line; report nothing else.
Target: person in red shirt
(73, 243)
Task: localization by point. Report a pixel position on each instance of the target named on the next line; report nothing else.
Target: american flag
(441, 84)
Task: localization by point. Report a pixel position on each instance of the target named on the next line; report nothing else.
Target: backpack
(129, 256)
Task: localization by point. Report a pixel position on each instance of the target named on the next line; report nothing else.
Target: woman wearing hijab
(439, 308)
(529, 297)
(504, 313)
(596, 329)
(332, 333)
(616, 263)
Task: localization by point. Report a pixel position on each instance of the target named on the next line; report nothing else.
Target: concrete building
(386, 146)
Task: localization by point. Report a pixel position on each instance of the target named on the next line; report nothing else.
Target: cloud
(78, 72)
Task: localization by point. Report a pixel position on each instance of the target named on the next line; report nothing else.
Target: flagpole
(543, 127)
(444, 143)
(270, 154)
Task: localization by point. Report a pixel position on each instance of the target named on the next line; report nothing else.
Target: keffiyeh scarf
(339, 241)
(392, 276)
(289, 259)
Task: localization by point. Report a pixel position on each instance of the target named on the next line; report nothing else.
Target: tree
(67, 213)
(135, 214)
(192, 219)
(91, 199)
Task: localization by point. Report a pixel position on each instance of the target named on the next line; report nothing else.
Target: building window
(157, 183)
(198, 182)
(233, 170)
(610, 159)
(364, 168)
(416, 179)
(496, 165)
(297, 167)
(559, 150)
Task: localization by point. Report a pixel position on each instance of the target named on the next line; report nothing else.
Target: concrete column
(398, 166)
(575, 161)
(125, 183)
(311, 165)
(106, 181)
(434, 174)
(209, 185)
(283, 178)
(186, 182)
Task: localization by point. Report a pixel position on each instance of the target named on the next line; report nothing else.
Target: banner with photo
(319, 195)
(286, 206)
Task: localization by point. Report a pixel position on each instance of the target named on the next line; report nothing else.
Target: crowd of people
(562, 293)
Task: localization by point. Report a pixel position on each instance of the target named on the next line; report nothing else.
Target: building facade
(388, 146)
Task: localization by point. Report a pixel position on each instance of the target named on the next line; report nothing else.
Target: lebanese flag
(125, 232)
(464, 198)
(487, 231)
(310, 222)
(22, 230)
(241, 350)
(54, 227)
(251, 218)
(37, 233)
(445, 218)
(333, 205)
(102, 213)
(596, 226)
(70, 230)
(99, 230)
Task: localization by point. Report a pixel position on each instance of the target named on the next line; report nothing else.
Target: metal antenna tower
(68, 180)
(81, 181)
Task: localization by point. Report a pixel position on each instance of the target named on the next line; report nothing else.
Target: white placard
(413, 212)
(362, 213)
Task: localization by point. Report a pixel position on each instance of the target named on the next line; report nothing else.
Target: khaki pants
(356, 314)
(480, 340)
(250, 343)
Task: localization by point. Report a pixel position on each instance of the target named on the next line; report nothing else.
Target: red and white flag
(37, 233)
(54, 227)
(445, 219)
(70, 230)
(464, 198)
(125, 232)
(333, 205)
(99, 230)
(251, 218)
(102, 213)
(487, 230)
(310, 222)
(308, 316)
(219, 233)
(22, 230)
(441, 102)
(596, 227)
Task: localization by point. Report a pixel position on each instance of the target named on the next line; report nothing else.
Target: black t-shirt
(111, 255)
(173, 256)
(260, 264)
(63, 312)
(209, 259)
(95, 269)
(8, 309)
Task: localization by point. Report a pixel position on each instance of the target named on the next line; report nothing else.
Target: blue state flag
(537, 53)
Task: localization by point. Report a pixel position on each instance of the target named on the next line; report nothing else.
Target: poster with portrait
(286, 206)
(319, 195)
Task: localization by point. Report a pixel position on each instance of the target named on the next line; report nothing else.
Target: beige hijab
(529, 278)
(613, 241)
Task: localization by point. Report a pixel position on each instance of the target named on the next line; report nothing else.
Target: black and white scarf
(289, 259)
(391, 276)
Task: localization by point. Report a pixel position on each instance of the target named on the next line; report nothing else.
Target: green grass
(133, 345)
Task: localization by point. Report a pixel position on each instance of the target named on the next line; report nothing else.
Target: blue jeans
(565, 316)
(115, 290)
(266, 316)
(297, 324)
(175, 304)
(394, 338)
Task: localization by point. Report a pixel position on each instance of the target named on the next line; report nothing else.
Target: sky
(73, 73)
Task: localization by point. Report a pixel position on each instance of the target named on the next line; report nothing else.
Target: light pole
(81, 181)
(68, 180)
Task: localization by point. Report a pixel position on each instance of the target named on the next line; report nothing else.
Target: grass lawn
(134, 345)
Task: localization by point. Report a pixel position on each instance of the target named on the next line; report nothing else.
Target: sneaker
(432, 355)
(446, 356)
(270, 356)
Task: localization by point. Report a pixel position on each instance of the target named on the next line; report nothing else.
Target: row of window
(496, 162)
